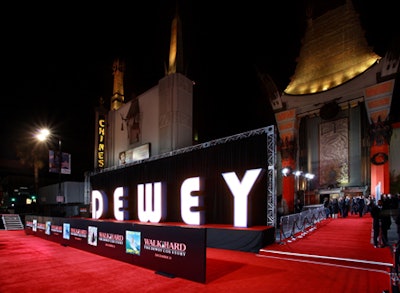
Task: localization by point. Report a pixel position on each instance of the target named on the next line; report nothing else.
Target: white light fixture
(309, 176)
(286, 171)
(298, 173)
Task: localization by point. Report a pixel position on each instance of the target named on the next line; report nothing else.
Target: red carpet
(343, 239)
(32, 264)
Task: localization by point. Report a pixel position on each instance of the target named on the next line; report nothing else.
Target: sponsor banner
(54, 162)
(174, 250)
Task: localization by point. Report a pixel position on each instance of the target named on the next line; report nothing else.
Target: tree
(32, 154)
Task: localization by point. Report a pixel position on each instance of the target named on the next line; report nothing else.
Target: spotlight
(297, 173)
(286, 171)
(309, 176)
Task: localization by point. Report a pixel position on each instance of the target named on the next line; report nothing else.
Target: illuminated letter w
(151, 202)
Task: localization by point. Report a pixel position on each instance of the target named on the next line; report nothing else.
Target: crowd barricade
(295, 226)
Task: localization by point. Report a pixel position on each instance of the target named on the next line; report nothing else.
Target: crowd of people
(384, 212)
(343, 206)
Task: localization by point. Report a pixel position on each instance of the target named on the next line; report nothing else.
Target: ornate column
(378, 99)
(287, 126)
(380, 133)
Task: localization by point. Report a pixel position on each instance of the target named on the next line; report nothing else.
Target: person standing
(376, 226)
(346, 206)
(298, 207)
(386, 220)
(327, 207)
(397, 221)
(335, 208)
(361, 206)
(341, 206)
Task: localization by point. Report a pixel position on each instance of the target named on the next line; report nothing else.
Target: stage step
(12, 222)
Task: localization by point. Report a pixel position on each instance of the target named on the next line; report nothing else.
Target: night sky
(57, 60)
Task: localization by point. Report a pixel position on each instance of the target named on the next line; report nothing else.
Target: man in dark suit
(376, 225)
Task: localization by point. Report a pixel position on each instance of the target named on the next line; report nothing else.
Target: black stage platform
(243, 239)
(221, 236)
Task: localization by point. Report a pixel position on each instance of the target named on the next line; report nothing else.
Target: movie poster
(132, 242)
(48, 227)
(66, 231)
(92, 235)
(54, 165)
(34, 225)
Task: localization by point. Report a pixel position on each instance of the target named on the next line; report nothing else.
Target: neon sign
(101, 141)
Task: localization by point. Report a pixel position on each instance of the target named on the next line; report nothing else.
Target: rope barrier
(299, 224)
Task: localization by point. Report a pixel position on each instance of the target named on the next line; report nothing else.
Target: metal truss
(272, 176)
(270, 131)
(204, 145)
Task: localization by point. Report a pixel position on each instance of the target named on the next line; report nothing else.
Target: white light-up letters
(189, 201)
(99, 204)
(151, 200)
(121, 204)
(151, 205)
(240, 191)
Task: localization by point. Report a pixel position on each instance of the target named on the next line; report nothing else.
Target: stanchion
(394, 274)
(281, 235)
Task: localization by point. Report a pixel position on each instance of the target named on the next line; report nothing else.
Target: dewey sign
(224, 183)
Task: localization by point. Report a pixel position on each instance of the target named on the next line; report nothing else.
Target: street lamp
(44, 135)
